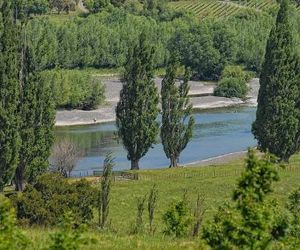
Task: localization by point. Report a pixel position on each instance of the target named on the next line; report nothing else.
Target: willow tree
(9, 94)
(137, 109)
(277, 119)
(177, 122)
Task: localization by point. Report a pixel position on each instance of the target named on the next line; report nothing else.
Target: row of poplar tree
(27, 112)
(137, 110)
(277, 124)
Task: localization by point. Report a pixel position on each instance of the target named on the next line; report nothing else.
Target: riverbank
(219, 160)
(200, 96)
(214, 184)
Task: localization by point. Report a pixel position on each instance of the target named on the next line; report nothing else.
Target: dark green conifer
(9, 94)
(137, 109)
(177, 123)
(37, 114)
(277, 120)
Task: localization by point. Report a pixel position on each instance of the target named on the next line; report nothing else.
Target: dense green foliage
(10, 236)
(9, 94)
(137, 109)
(74, 89)
(277, 121)
(233, 82)
(177, 123)
(37, 115)
(250, 222)
(178, 218)
(236, 72)
(24, 8)
(51, 197)
(231, 87)
(205, 47)
(103, 39)
(69, 236)
(28, 117)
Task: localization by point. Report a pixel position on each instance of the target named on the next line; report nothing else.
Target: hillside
(218, 9)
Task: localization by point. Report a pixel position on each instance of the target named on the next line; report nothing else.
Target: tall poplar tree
(137, 109)
(9, 94)
(37, 116)
(36, 112)
(177, 122)
(277, 119)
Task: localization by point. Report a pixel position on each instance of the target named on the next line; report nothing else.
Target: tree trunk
(19, 179)
(173, 162)
(135, 165)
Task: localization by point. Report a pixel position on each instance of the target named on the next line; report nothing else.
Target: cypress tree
(137, 109)
(44, 129)
(277, 119)
(177, 123)
(36, 112)
(9, 94)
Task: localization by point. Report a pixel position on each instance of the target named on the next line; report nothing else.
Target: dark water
(216, 132)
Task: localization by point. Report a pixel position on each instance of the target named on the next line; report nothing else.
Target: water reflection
(216, 132)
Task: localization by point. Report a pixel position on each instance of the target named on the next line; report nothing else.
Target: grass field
(216, 183)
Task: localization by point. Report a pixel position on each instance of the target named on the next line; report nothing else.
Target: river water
(216, 132)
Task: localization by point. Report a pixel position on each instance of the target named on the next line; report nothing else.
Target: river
(216, 132)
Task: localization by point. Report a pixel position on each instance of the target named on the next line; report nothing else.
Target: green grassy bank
(216, 183)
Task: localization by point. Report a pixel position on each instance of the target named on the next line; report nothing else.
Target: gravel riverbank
(200, 94)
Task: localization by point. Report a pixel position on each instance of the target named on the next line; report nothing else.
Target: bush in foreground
(10, 235)
(178, 218)
(251, 222)
(52, 196)
(69, 236)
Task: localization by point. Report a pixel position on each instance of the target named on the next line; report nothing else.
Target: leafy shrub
(95, 98)
(231, 87)
(178, 218)
(251, 222)
(74, 89)
(69, 237)
(52, 196)
(294, 208)
(237, 72)
(10, 235)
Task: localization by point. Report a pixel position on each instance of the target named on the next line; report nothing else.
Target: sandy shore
(200, 94)
(219, 160)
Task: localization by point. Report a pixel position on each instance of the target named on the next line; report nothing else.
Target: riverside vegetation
(171, 208)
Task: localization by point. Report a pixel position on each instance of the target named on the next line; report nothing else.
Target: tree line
(137, 110)
(102, 40)
(27, 110)
(40, 7)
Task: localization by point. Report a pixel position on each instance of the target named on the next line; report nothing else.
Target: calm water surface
(216, 132)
